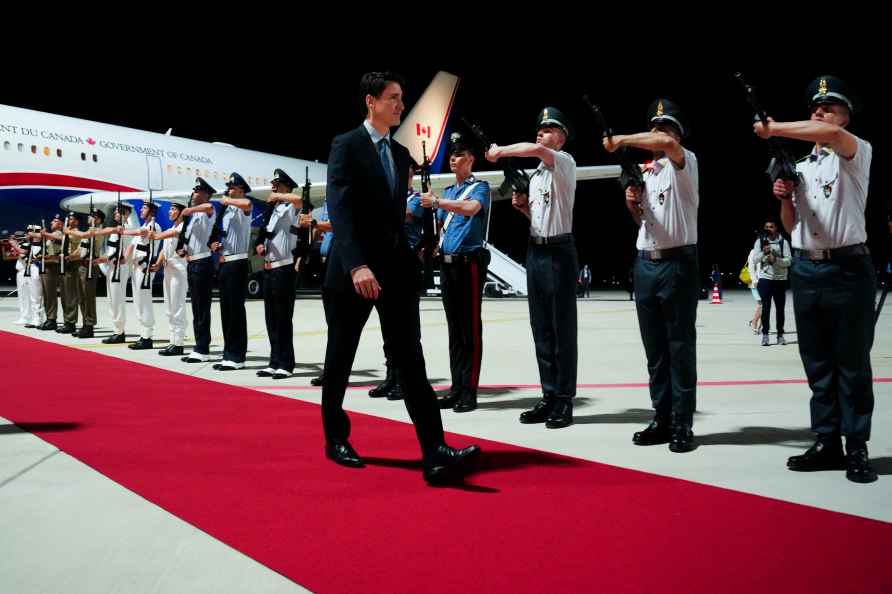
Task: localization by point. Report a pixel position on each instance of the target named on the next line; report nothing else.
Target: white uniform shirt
(831, 199)
(552, 194)
(198, 232)
(172, 260)
(282, 241)
(237, 231)
(145, 243)
(669, 203)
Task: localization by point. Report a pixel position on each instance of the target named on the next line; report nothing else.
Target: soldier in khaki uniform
(90, 248)
(69, 269)
(50, 277)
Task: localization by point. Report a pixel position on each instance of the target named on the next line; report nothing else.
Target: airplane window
(83, 156)
(95, 158)
(6, 145)
(46, 151)
(169, 168)
(179, 171)
(58, 152)
(21, 147)
(33, 149)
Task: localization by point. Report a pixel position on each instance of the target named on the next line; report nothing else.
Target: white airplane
(48, 161)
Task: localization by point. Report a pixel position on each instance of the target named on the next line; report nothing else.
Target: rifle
(65, 242)
(147, 275)
(42, 247)
(92, 243)
(119, 245)
(516, 179)
(428, 223)
(630, 172)
(304, 241)
(28, 257)
(781, 166)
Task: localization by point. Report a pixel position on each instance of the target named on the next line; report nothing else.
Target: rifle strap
(464, 196)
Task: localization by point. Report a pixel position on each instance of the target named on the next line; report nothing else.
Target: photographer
(774, 259)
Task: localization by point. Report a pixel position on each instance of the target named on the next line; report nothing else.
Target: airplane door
(154, 174)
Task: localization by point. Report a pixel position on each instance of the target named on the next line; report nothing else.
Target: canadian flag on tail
(427, 119)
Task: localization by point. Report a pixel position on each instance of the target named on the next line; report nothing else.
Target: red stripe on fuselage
(55, 180)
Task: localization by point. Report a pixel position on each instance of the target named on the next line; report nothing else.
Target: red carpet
(248, 469)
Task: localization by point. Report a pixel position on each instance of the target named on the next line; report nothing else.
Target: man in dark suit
(370, 262)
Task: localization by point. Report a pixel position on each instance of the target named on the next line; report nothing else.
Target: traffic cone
(716, 297)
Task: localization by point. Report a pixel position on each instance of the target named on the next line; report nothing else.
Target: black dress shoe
(858, 468)
(343, 453)
(268, 372)
(318, 381)
(48, 325)
(141, 345)
(67, 329)
(561, 414)
(825, 454)
(395, 393)
(450, 400)
(539, 413)
(31, 326)
(466, 402)
(657, 432)
(382, 389)
(85, 332)
(171, 350)
(449, 465)
(682, 440)
(114, 339)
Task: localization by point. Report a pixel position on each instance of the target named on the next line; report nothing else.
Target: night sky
(258, 99)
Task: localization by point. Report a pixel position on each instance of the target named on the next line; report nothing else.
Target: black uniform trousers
(833, 302)
(666, 299)
(776, 290)
(233, 280)
(462, 284)
(551, 285)
(278, 306)
(398, 309)
(200, 277)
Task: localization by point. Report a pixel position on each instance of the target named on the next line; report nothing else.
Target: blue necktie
(385, 162)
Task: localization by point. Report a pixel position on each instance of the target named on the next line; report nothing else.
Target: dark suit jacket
(367, 219)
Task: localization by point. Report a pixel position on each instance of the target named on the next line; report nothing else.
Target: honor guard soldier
(551, 264)
(20, 247)
(175, 283)
(274, 244)
(116, 268)
(233, 246)
(462, 212)
(143, 253)
(34, 277)
(50, 276)
(70, 272)
(90, 247)
(667, 281)
(199, 219)
(832, 276)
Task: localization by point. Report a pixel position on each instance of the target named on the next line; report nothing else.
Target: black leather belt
(668, 253)
(553, 240)
(817, 255)
(459, 258)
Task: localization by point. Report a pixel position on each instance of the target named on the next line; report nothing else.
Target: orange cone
(716, 297)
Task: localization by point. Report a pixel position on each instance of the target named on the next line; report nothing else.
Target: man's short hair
(374, 83)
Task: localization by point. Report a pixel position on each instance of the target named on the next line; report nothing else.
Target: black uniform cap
(203, 186)
(237, 181)
(830, 89)
(283, 178)
(664, 111)
(553, 117)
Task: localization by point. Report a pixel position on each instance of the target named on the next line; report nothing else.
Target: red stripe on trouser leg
(476, 329)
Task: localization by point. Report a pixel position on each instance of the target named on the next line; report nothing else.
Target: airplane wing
(440, 181)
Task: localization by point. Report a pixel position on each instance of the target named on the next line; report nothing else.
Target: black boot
(450, 399)
(318, 381)
(48, 325)
(142, 344)
(540, 412)
(466, 402)
(561, 414)
(682, 439)
(858, 468)
(85, 332)
(659, 431)
(384, 387)
(825, 454)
